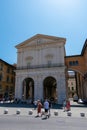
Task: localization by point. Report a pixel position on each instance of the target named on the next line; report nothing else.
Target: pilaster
(61, 86)
(38, 88)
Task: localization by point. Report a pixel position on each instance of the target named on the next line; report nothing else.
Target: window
(8, 70)
(29, 60)
(73, 63)
(69, 88)
(72, 88)
(8, 79)
(0, 87)
(49, 58)
(11, 89)
(71, 83)
(7, 89)
(12, 80)
(1, 66)
(70, 63)
(77, 63)
(0, 77)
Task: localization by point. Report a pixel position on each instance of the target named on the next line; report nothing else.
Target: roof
(82, 52)
(84, 47)
(7, 63)
(40, 36)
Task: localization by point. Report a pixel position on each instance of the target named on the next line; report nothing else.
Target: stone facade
(71, 84)
(38, 58)
(7, 80)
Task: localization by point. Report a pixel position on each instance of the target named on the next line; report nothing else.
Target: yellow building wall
(7, 79)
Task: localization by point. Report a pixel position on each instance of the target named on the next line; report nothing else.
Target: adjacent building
(71, 84)
(7, 80)
(78, 64)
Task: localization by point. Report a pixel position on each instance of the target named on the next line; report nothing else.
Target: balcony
(40, 66)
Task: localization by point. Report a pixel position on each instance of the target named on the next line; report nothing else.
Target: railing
(40, 66)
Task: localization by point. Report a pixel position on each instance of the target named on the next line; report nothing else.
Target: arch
(76, 84)
(76, 70)
(85, 89)
(50, 88)
(28, 89)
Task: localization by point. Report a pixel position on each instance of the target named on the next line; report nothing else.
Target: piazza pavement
(77, 110)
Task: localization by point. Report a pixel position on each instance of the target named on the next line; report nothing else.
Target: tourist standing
(46, 106)
(39, 106)
(68, 105)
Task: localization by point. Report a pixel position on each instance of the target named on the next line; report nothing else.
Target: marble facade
(40, 57)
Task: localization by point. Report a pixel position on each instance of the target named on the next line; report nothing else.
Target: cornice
(40, 36)
(8, 63)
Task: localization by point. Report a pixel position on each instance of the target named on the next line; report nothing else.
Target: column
(61, 85)
(38, 89)
(18, 88)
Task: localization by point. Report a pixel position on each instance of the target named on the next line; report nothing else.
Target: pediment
(39, 39)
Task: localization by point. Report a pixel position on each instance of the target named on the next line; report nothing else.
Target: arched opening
(85, 90)
(85, 86)
(28, 89)
(50, 88)
(75, 84)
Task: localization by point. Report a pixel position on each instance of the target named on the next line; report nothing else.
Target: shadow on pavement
(25, 105)
(19, 105)
(79, 105)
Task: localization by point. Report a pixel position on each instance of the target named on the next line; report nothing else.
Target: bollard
(56, 113)
(30, 112)
(82, 114)
(6, 111)
(69, 113)
(43, 112)
(18, 111)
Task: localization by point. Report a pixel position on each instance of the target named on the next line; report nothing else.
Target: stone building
(41, 70)
(78, 64)
(71, 84)
(7, 80)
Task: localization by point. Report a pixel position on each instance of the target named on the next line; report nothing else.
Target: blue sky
(21, 19)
